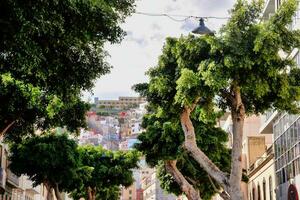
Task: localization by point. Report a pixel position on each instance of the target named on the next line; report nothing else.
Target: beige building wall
(262, 179)
(129, 193)
(254, 144)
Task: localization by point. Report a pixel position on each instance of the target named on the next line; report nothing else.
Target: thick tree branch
(7, 127)
(186, 187)
(57, 192)
(191, 146)
(227, 96)
(222, 194)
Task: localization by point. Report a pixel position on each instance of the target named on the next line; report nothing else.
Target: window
(258, 193)
(270, 188)
(264, 190)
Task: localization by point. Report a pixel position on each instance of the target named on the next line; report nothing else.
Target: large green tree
(106, 193)
(244, 69)
(177, 171)
(111, 169)
(51, 159)
(51, 50)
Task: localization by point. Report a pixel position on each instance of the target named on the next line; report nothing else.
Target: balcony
(12, 178)
(269, 9)
(268, 121)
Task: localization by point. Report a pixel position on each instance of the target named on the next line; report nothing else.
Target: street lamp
(202, 29)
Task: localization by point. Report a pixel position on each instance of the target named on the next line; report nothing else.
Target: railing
(269, 114)
(12, 178)
(270, 150)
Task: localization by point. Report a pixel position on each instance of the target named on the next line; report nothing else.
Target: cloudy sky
(145, 37)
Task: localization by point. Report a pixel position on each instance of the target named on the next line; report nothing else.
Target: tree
(110, 170)
(49, 52)
(177, 171)
(111, 193)
(239, 70)
(50, 159)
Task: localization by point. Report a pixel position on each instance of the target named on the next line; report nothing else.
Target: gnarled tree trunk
(49, 191)
(91, 193)
(57, 192)
(186, 187)
(191, 146)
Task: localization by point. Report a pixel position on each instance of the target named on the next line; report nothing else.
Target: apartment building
(285, 129)
(261, 172)
(256, 156)
(153, 191)
(121, 103)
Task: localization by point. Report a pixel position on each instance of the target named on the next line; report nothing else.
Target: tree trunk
(89, 193)
(238, 117)
(186, 187)
(94, 191)
(57, 192)
(191, 146)
(49, 192)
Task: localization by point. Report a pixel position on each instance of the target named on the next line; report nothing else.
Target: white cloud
(145, 37)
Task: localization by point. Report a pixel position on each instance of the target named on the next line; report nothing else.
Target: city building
(285, 129)
(121, 103)
(129, 193)
(255, 146)
(96, 100)
(261, 173)
(153, 191)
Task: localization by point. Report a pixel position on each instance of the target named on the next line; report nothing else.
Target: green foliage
(110, 170)
(162, 141)
(49, 52)
(175, 82)
(247, 55)
(207, 72)
(49, 159)
(56, 160)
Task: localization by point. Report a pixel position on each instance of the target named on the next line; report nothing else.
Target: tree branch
(222, 194)
(185, 186)
(191, 146)
(7, 127)
(226, 95)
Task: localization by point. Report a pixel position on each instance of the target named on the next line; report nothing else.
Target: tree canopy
(49, 52)
(110, 170)
(62, 166)
(161, 142)
(244, 69)
(51, 160)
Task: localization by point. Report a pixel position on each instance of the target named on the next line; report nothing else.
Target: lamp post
(202, 29)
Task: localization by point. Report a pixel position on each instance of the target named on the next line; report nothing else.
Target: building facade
(121, 103)
(261, 175)
(285, 130)
(153, 191)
